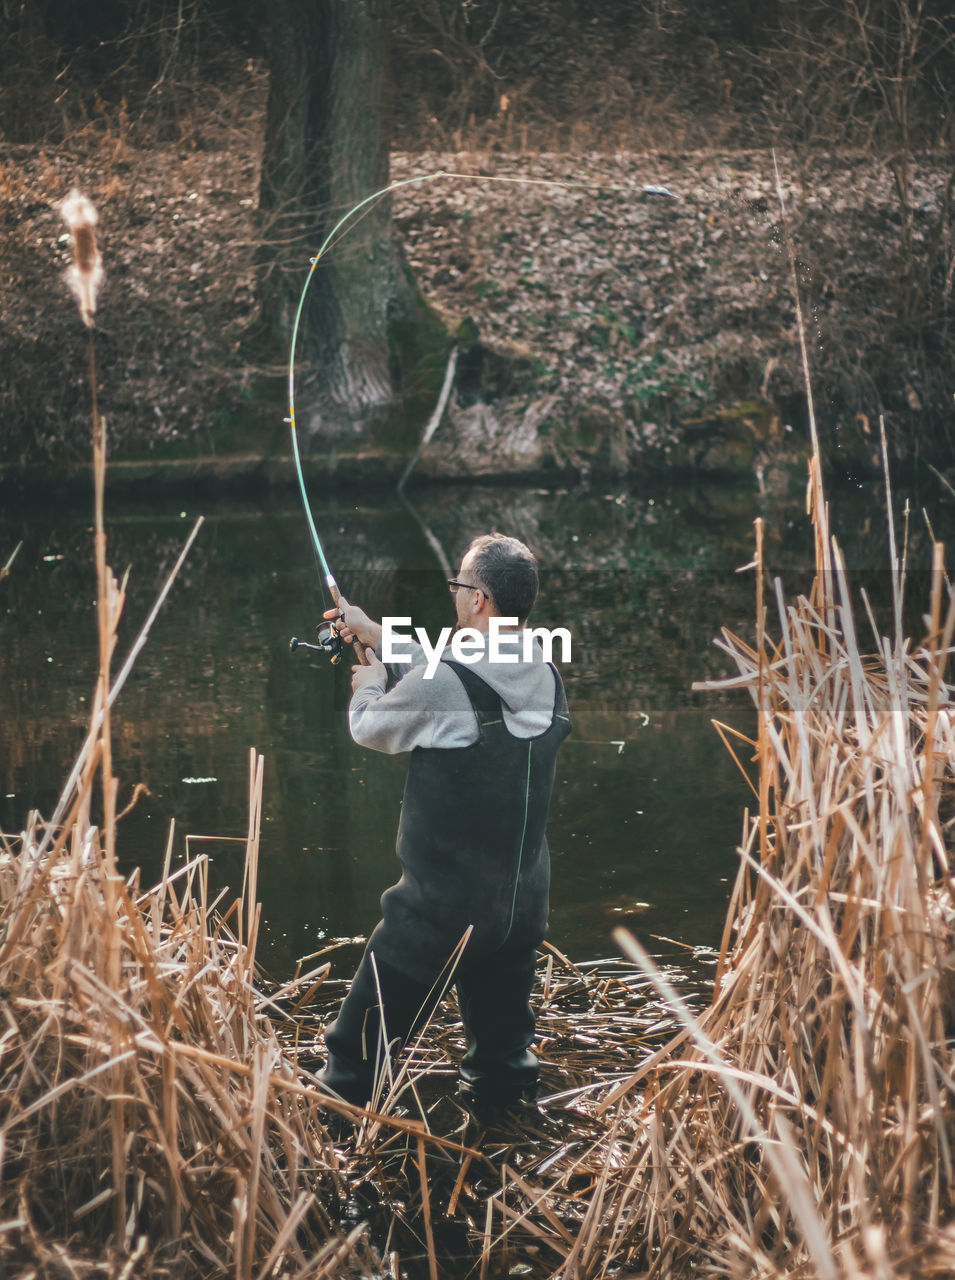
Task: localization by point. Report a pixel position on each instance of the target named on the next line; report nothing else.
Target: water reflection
(648, 806)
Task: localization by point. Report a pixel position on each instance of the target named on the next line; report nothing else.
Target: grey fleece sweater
(437, 713)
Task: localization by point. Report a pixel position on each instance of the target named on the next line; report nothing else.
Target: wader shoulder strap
(486, 703)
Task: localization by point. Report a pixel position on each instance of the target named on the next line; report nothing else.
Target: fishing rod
(329, 641)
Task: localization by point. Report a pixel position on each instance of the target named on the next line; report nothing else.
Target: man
(483, 740)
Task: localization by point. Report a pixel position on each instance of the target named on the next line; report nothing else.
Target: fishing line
(347, 223)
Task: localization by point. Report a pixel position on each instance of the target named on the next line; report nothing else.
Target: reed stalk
(803, 1123)
(224, 1154)
(5, 568)
(150, 1120)
(828, 1043)
(157, 1114)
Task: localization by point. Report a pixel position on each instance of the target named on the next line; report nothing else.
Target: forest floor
(629, 311)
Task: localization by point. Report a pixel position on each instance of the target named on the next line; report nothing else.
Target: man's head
(505, 571)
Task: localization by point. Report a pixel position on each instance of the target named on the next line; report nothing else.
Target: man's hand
(374, 670)
(350, 621)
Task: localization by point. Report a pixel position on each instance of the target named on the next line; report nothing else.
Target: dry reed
(807, 1126)
(802, 1125)
(149, 1119)
(139, 1069)
(85, 276)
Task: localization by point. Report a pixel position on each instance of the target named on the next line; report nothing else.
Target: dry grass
(146, 1101)
(149, 1119)
(803, 1125)
(158, 1104)
(157, 1115)
(807, 1125)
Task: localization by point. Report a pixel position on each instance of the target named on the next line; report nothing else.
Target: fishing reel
(329, 641)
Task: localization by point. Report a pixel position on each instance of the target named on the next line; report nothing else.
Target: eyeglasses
(465, 586)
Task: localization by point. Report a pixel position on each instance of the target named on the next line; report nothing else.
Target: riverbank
(602, 327)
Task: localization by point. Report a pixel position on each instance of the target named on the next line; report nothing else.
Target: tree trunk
(366, 333)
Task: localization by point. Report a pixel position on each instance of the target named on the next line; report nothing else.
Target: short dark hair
(507, 570)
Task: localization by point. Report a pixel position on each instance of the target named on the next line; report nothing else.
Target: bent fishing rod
(329, 641)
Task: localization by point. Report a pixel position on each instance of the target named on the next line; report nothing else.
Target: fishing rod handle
(359, 648)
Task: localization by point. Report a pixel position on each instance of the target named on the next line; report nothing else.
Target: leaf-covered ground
(658, 307)
(604, 305)
(176, 231)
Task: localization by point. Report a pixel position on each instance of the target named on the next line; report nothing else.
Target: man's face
(464, 601)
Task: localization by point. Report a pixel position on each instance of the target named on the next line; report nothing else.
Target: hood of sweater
(434, 710)
(518, 673)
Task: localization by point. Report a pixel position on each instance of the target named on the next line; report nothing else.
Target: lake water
(648, 805)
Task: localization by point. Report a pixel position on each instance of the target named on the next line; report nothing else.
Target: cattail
(86, 274)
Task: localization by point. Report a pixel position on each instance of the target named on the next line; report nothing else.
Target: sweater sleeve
(415, 712)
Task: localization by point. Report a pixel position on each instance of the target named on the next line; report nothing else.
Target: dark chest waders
(473, 853)
(471, 840)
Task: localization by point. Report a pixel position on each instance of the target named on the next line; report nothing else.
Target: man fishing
(475, 867)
